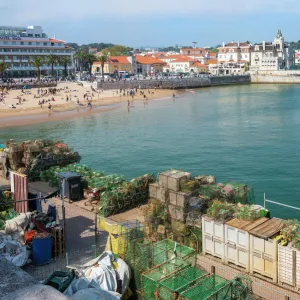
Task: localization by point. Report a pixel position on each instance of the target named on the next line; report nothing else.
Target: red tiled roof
(148, 60)
(118, 59)
(199, 64)
(55, 41)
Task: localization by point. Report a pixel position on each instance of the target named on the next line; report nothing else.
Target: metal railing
(278, 203)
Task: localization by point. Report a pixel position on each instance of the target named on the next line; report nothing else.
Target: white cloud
(22, 12)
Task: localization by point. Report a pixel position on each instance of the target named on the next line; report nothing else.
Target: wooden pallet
(58, 241)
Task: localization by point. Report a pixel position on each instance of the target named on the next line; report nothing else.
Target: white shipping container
(263, 257)
(237, 241)
(213, 237)
(264, 248)
(237, 247)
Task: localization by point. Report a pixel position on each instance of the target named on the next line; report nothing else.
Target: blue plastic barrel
(42, 250)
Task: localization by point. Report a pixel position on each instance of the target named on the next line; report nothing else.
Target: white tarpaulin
(99, 276)
(13, 251)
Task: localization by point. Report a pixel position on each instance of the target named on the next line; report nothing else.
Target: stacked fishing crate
(14, 155)
(167, 194)
(31, 151)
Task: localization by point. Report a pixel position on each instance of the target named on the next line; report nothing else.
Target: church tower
(279, 41)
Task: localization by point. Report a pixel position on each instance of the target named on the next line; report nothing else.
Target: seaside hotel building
(19, 46)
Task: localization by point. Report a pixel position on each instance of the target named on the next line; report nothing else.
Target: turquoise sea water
(248, 133)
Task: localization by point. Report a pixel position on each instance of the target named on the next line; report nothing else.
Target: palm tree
(65, 61)
(89, 60)
(37, 63)
(103, 59)
(52, 59)
(3, 67)
(80, 56)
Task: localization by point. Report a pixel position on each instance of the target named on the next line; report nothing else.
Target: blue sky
(157, 22)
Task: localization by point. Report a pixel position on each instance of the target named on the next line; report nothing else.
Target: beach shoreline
(30, 112)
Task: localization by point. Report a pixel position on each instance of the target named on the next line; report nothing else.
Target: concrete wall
(175, 83)
(260, 287)
(288, 77)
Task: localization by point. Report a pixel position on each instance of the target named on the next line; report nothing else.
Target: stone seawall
(175, 83)
(285, 79)
(228, 80)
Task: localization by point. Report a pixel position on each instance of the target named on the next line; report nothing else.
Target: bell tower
(278, 40)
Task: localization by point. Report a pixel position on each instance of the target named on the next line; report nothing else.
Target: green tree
(116, 50)
(65, 61)
(3, 67)
(52, 59)
(103, 59)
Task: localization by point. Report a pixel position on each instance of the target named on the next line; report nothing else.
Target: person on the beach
(128, 103)
(49, 106)
(173, 95)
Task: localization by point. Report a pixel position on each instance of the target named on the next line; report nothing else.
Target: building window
(22, 43)
(37, 43)
(45, 44)
(52, 44)
(29, 43)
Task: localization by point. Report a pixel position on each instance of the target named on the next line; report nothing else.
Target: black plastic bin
(72, 185)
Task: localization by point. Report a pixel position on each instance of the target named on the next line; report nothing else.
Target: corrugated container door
(219, 231)
(243, 258)
(243, 239)
(207, 226)
(257, 245)
(219, 248)
(208, 244)
(230, 244)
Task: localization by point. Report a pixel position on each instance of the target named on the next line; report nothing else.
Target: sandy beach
(28, 110)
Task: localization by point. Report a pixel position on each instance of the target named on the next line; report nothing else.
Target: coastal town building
(272, 56)
(180, 65)
(116, 64)
(297, 57)
(149, 65)
(233, 58)
(19, 46)
(235, 52)
(200, 54)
